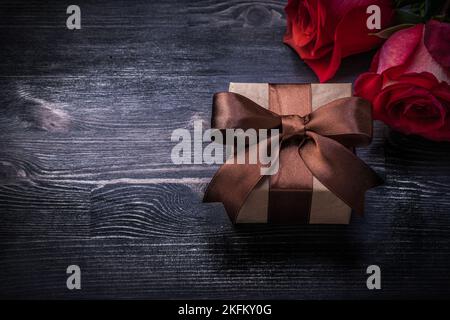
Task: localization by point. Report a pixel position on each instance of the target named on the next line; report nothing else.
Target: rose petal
(443, 134)
(375, 62)
(424, 79)
(437, 41)
(422, 61)
(321, 68)
(368, 85)
(442, 91)
(354, 24)
(399, 48)
(352, 34)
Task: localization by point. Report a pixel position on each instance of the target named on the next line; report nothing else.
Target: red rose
(409, 81)
(323, 32)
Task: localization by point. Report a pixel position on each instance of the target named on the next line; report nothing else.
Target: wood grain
(86, 176)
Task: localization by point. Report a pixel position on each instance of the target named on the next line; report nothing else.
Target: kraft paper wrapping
(326, 208)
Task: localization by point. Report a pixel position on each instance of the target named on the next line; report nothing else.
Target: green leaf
(442, 18)
(386, 33)
(433, 7)
(404, 16)
(403, 3)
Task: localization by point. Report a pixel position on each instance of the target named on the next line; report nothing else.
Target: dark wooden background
(86, 176)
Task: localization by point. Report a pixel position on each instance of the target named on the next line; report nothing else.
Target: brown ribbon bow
(323, 140)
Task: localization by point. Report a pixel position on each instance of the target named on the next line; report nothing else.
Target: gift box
(320, 179)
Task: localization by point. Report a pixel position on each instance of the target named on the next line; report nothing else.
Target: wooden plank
(86, 176)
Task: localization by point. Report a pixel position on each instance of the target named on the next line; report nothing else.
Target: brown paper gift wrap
(280, 198)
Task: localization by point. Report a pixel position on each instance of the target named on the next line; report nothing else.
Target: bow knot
(294, 125)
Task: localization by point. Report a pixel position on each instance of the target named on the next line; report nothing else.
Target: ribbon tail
(232, 185)
(336, 167)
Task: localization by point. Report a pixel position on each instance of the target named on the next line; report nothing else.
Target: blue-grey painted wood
(86, 176)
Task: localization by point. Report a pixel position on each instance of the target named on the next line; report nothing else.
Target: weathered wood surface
(86, 176)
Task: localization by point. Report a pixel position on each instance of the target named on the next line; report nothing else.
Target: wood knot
(257, 16)
(41, 114)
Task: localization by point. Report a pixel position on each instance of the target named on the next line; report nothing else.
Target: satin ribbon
(324, 141)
